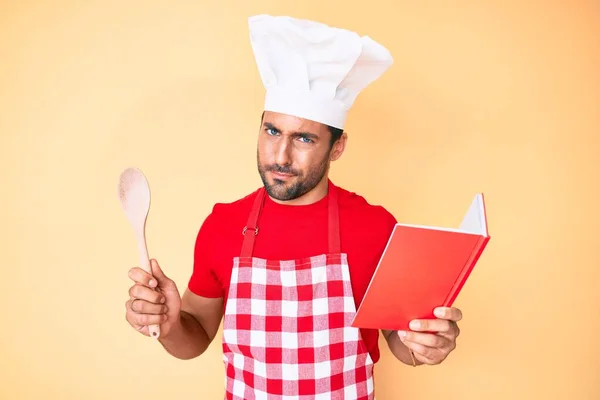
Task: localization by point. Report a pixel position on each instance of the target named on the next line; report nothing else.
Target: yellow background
(499, 97)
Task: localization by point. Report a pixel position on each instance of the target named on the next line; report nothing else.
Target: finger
(148, 319)
(130, 315)
(145, 293)
(431, 325)
(425, 339)
(134, 321)
(158, 273)
(143, 307)
(449, 313)
(139, 276)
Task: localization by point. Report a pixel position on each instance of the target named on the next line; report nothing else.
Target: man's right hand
(153, 300)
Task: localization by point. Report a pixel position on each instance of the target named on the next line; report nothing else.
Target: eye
(271, 131)
(306, 140)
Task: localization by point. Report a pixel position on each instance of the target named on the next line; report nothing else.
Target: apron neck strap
(251, 230)
(334, 221)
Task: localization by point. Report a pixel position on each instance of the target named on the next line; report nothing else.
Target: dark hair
(336, 133)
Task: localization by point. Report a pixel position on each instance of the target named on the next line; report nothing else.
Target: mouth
(280, 175)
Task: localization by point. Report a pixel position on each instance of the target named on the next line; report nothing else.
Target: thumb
(159, 275)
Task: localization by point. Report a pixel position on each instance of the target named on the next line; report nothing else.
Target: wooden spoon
(134, 195)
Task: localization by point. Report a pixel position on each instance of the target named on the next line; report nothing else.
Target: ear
(338, 147)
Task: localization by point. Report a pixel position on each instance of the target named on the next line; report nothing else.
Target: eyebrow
(305, 134)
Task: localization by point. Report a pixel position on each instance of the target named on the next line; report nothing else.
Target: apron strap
(251, 230)
(334, 221)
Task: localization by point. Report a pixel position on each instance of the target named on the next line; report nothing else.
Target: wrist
(413, 362)
(400, 350)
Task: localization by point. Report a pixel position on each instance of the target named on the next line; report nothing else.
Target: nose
(282, 151)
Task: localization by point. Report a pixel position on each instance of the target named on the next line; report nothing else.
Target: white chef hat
(311, 70)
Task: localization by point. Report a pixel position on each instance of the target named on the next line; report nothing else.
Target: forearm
(187, 339)
(398, 349)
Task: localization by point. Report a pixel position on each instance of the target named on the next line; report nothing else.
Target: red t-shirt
(292, 232)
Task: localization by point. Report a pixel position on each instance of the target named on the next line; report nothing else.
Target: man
(286, 266)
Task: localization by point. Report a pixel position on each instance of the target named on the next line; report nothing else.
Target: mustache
(281, 169)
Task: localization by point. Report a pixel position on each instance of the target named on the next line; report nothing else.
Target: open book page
(473, 221)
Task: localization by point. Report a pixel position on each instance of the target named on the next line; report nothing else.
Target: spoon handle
(154, 330)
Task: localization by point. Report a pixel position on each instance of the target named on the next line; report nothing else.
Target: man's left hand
(433, 339)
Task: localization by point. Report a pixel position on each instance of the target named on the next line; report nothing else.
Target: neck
(314, 195)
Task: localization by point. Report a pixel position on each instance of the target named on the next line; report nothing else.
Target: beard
(297, 186)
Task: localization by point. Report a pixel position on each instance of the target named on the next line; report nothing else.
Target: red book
(421, 268)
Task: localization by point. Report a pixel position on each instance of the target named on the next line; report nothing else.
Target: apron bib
(286, 329)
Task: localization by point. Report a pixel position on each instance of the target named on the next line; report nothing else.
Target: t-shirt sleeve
(203, 280)
(391, 222)
(382, 234)
(388, 222)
